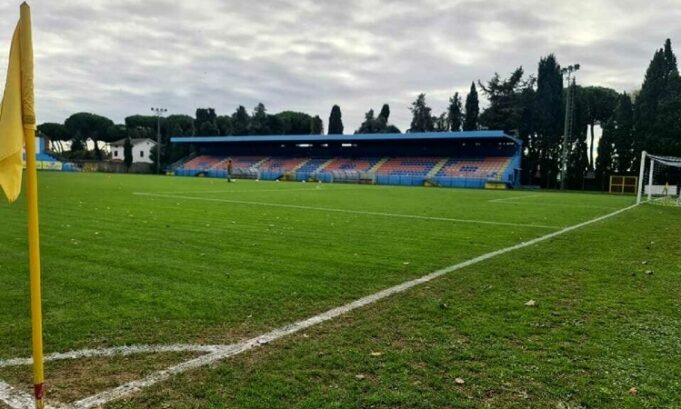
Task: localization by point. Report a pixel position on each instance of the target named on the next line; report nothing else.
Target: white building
(141, 150)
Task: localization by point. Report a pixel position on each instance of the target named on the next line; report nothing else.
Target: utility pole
(158, 112)
(567, 129)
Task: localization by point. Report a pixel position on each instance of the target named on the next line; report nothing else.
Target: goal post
(659, 179)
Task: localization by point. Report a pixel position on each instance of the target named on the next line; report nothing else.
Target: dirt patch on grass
(70, 380)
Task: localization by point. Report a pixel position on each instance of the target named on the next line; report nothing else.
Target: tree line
(531, 107)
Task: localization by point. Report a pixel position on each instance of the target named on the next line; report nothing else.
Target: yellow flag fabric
(17, 108)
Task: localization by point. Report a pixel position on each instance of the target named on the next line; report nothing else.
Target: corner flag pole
(32, 205)
(34, 268)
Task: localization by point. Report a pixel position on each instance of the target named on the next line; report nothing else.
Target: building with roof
(141, 150)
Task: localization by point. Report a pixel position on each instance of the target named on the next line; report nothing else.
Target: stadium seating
(281, 164)
(357, 164)
(413, 166)
(312, 165)
(202, 162)
(452, 171)
(239, 162)
(490, 167)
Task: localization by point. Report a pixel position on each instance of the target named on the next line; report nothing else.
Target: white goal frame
(647, 158)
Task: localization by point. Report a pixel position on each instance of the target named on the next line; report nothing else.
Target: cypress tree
(454, 113)
(549, 118)
(470, 122)
(127, 153)
(657, 112)
(335, 121)
(385, 113)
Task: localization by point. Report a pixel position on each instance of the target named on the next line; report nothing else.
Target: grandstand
(448, 159)
(45, 161)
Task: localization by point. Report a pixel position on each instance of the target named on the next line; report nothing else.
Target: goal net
(660, 180)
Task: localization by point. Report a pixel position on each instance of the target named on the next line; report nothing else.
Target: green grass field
(162, 260)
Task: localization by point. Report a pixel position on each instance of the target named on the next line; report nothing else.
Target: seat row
(484, 167)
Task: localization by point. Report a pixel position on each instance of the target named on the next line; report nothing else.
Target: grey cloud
(118, 58)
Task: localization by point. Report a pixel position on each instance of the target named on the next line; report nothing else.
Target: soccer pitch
(144, 260)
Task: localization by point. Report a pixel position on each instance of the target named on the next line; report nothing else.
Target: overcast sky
(119, 58)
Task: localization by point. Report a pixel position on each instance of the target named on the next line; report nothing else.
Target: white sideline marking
(18, 401)
(329, 209)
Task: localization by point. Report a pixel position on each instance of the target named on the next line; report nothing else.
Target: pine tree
(422, 121)
(605, 161)
(454, 113)
(578, 158)
(621, 134)
(259, 123)
(316, 125)
(335, 121)
(600, 104)
(442, 123)
(470, 122)
(206, 122)
(224, 123)
(370, 124)
(240, 121)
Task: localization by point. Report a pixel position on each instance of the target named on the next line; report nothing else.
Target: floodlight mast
(158, 112)
(567, 128)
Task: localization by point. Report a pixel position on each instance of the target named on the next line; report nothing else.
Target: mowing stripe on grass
(317, 188)
(511, 198)
(227, 351)
(330, 209)
(516, 200)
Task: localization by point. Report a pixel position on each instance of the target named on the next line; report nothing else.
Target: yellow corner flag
(17, 127)
(16, 109)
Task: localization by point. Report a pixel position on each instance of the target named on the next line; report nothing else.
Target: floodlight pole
(567, 128)
(158, 112)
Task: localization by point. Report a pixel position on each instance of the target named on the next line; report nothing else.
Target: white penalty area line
(362, 212)
(114, 351)
(17, 401)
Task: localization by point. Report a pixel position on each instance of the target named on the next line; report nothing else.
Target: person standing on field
(229, 170)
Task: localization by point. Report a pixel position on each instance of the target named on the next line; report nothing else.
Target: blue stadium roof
(349, 138)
